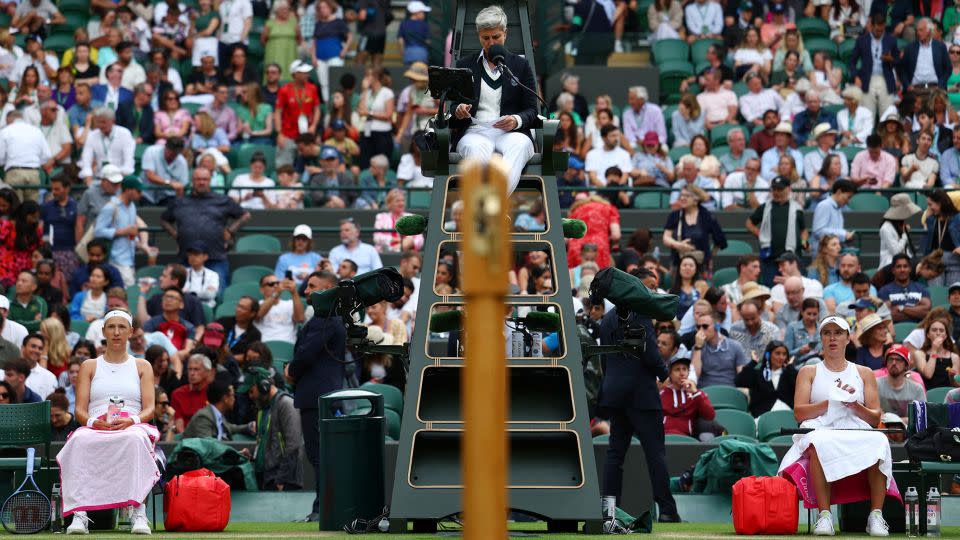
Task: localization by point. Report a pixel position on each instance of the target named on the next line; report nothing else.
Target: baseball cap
(132, 182)
(651, 138)
(788, 256)
(337, 123)
(891, 419)
(251, 377)
(898, 350)
(4, 302)
(303, 230)
(778, 8)
(299, 66)
(214, 335)
(780, 182)
(417, 7)
(862, 303)
(834, 319)
(111, 173)
(329, 152)
(678, 358)
(197, 246)
(35, 37)
(953, 287)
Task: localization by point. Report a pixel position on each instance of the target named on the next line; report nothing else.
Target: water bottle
(124, 515)
(114, 408)
(911, 504)
(608, 509)
(56, 520)
(933, 512)
(536, 345)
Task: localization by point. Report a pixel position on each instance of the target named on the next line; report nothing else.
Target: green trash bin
(350, 484)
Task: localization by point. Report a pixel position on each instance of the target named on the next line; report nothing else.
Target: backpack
(935, 444)
(720, 468)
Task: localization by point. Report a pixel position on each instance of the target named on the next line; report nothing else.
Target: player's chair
(23, 425)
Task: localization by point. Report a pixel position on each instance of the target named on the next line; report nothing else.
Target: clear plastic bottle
(933, 512)
(911, 504)
(124, 518)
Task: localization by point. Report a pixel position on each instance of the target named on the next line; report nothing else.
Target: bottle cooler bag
(196, 501)
(765, 505)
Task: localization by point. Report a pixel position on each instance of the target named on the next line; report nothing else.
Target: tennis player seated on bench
(110, 462)
(841, 459)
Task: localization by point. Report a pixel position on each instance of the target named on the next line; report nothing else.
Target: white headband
(118, 313)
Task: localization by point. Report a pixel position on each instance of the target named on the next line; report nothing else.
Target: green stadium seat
(850, 152)
(732, 437)
(153, 271)
(739, 88)
(419, 199)
(392, 419)
(821, 44)
(255, 50)
(769, 424)
(678, 152)
(79, 6)
(237, 290)
(258, 243)
(938, 395)
(207, 312)
(191, 108)
(724, 276)
(133, 294)
(650, 201)
(225, 309)
(22, 425)
(58, 43)
(737, 247)
(781, 439)
(674, 438)
(868, 202)
(939, 295)
(666, 50)
(737, 423)
(251, 273)
(392, 396)
(80, 327)
(903, 329)
(234, 173)
(726, 397)
(280, 349)
(698, 50)
(247, 150)
(811, 27)
(846, 49)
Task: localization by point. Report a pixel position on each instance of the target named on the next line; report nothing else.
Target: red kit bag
(196, 501)
(765, 505)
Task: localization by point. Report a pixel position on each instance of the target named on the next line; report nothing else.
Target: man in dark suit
(112, 94)
(879, 83)
(925, 62)
(631, 400)
(137, 114)
(502, 113)
(209, 422)
(317, 369)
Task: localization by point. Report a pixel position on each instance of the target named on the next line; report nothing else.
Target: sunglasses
(5, 395)
(164, 403)
(703, 326)
(271, 284)
(954, 51)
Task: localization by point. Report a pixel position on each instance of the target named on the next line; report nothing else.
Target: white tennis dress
(842, 453)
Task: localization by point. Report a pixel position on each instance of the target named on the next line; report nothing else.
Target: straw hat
(869, 322)
(822, 129)
(754, 291)
(784, 127)
(901, 207)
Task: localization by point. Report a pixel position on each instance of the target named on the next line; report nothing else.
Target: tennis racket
(27, 511)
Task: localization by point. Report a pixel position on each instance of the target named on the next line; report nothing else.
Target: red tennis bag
(765, 505)
(196, 501)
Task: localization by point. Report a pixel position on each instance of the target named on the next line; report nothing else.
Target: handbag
(196, 501)
(765, 505)
(935, 444)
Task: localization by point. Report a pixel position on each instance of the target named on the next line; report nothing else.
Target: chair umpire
(631, 401)
(505, 110)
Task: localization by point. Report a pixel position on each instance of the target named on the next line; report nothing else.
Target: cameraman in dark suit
(503, 113)
(631, 400)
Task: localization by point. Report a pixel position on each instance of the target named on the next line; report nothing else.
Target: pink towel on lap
(108, 469)
(850, 489)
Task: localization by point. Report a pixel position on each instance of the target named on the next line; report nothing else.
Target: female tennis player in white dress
(839, 466)
(110, 461)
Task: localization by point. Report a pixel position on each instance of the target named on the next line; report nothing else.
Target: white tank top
(824, 383)
(115, 380)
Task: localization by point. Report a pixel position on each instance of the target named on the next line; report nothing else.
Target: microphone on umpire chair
(497, 54)
(411, 225)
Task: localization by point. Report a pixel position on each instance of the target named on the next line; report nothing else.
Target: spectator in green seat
(26, 307)
(375, 177)
(771, 380)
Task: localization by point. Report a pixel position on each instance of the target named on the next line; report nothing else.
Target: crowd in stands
(218, 111)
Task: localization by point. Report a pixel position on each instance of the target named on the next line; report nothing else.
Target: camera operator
(630, 397)
(317, 369)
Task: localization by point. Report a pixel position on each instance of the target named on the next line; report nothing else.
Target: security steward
(631, 401)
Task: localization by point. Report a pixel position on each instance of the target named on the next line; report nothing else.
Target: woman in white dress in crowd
(110, 462)
(830, 466)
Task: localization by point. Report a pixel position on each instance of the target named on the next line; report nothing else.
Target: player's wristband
(135, 418)
(90, 422)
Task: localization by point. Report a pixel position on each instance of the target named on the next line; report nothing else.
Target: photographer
(629, 397)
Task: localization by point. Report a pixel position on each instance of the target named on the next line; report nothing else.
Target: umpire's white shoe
(876, 525)
(824, 525)
(139, 522)
(79, 524)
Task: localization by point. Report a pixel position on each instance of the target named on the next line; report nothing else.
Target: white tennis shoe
(80, 523)
(824, 525)
(140, 524)
(876, 525)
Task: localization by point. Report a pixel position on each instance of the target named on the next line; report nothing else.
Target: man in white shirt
(925, 62)
(108, 143)
(53, 125)
(277, 319)
(133, 73)
(46, 64)
(23, 151)
(789, 266)
(854, 120)
(704, 20)
(748, 178)
(719, 105)
(11, 331)
(611, 155)
(40, 380)
(364, 255)
(825, 138)
(759, 100)
(202, 282)
(236, 19)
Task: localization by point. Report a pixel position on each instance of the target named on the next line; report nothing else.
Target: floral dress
(13, 260)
